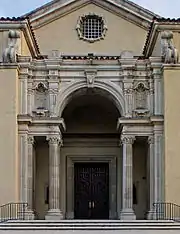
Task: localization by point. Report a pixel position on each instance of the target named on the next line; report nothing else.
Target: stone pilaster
(158, 90)
(26, 171)
(30, 98)
(127, 212)
(53, 90)
(30, 172)
(52, 102)
(128, 96)
(23, 82)
(54, 212)
(158, 164)
(151, 97)
(23, 156)
(151, 170)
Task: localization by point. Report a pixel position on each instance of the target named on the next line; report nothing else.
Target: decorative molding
(141, 97)
(128, 91)
(90, 77)
(151, 140)
(129, 11)
(40, 87)
(127, 139)
(54, 140)
(30, 140)
(141, 113)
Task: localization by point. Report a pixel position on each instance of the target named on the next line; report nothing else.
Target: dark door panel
(91, 194)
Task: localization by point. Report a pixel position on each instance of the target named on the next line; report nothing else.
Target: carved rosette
(128, 91)
(127, 139)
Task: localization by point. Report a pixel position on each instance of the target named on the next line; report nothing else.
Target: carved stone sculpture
(169, 52)
(9, 55)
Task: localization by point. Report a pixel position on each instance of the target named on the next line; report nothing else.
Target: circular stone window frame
(91, 40)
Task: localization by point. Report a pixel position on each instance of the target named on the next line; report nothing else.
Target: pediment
(58, 8)
(55, 25)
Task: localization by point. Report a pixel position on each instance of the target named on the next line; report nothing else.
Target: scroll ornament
(169, 52)
(9, 55)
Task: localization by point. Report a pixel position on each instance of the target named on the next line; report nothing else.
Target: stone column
(127, 212)
(54, 212)
(151, 175)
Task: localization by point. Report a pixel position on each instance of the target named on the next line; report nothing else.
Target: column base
(29, 215)
(54, 214)
(127, 214)
(151, 215)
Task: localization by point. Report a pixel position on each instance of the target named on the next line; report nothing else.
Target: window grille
(91, 28)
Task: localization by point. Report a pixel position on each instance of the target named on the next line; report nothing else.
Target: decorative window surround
(91, 27)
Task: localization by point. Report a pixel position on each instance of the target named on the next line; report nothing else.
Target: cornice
(123, 8)
(171, 67)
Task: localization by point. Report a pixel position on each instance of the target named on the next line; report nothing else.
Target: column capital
(126, 139)
(31, 140)
(151, 140)
(54, 139)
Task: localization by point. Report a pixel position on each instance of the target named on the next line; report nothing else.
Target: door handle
(93, 204)
(90, 205)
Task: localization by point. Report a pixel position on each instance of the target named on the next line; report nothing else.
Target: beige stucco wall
(172, 134)
(8, 139)
(3, 41)
(61, 35)
(24, 47)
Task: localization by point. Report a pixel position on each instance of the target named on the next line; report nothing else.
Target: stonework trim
(113, 90)
(44, 14)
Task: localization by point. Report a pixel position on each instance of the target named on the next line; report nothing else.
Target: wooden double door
(91, 191)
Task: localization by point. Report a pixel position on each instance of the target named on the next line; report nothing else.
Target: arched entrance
(91, 178)
(91, 153)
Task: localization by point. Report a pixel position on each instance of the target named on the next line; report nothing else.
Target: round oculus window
(91, 27)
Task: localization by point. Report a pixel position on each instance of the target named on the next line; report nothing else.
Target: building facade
(89, 110)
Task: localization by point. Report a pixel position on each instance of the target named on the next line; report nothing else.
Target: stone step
(89, 225)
